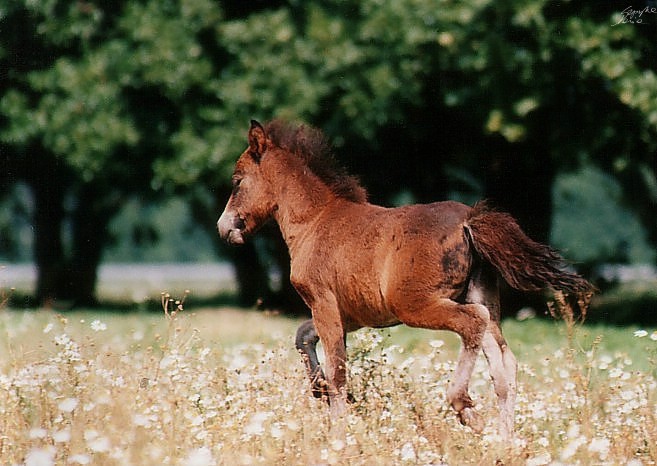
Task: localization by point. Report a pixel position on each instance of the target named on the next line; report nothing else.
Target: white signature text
(631, 16)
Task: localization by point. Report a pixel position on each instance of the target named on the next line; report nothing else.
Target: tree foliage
(102, 101)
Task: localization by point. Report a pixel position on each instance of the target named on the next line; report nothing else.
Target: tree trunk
(252, 280)
(71, 278)
(92, 215)
(48, 248)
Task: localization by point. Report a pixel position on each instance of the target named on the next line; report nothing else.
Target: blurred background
(120, 122)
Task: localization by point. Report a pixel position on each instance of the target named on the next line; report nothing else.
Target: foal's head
(275, 153)
(251, 202)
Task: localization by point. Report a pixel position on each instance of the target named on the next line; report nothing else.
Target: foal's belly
(363, 306)
(368, 317)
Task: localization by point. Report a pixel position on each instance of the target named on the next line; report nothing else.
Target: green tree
(482, 99)
(496, 97)
(478, 98)
(592, 224)
(94, 94)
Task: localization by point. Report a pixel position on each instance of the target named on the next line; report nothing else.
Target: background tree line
(103, 104)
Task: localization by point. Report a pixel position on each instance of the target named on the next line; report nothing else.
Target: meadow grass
(226, 387)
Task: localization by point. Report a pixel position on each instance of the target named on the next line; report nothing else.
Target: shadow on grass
(20, 301)
(624, 306)
(618, 306)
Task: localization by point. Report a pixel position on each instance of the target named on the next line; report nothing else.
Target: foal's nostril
(239, 223)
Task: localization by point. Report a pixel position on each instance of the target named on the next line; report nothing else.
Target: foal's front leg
(306, 343)
(329, 327)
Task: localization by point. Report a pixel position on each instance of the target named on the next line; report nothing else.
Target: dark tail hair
(523, 263)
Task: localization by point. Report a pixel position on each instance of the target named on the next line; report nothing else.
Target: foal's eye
(236, 185)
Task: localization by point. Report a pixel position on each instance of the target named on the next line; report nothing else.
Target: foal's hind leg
(306, 343)
(503, 369)
(484, 289)
(470, 321)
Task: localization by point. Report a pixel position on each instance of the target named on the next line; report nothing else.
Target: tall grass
(226, 387)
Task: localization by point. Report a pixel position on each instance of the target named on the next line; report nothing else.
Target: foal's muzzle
(230, 227)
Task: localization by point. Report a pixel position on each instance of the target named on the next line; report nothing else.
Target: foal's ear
(257, 140)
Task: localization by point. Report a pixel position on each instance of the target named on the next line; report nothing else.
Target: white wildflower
(62, 436)
(408, 452)
(79, 459)
(539, 460)
(99, 445)
(406, 363)
(276, 431)
(653, 336)
(525, 313)
(337, 444)
(238, 362)
(436, 343)
(40, 457)
(605, 360)
(573, 430)
(293, 425)
(492, 437)
(569, 386)
(615, 373)
(640, 333)
(200, 457)
(600, 446)
(627, 395)
(68, 405)
(634, 462)
(48, 328)
(166, 361)
(62, 339)
(572, 447)
(142, 420)
(256, 424)
(98, 326)
(38, 433)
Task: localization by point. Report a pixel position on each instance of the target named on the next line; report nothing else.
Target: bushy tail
(523, 263)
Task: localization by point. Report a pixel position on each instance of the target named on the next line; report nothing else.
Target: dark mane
(312, 147)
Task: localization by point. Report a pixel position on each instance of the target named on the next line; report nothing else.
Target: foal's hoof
(320, 391)
(469, 417)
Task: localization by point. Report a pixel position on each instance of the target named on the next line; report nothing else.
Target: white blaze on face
(227, 225)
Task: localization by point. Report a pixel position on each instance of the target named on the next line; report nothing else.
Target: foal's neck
(301, 199)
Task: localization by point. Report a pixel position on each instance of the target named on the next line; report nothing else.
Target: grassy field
(225, 387)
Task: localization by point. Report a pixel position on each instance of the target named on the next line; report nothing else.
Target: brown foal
(356, 264)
